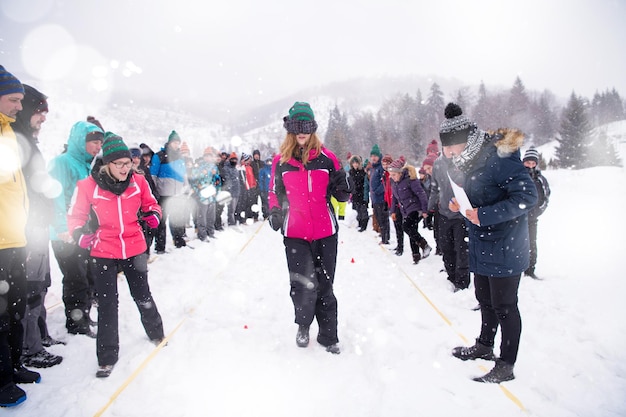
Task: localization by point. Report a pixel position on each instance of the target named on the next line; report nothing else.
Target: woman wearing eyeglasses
(304, 177)
(111, 197)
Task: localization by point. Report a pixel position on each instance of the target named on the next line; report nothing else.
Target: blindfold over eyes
(299, 126)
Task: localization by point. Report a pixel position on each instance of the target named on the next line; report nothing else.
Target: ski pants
(77, 289)
(497, 297)
(381, 212)
(453, 243)
(105, 276)
(410, 225)
(175, 212)
(312, 274)
(532, 238)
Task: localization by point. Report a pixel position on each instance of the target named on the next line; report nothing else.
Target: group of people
(116, 198)
(493, 237)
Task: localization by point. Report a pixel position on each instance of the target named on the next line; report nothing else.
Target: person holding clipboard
(495, 197)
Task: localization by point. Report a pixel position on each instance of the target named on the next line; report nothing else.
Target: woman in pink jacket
(104, 217)
(304, 177)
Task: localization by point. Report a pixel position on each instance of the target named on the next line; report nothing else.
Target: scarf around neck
(476, 140)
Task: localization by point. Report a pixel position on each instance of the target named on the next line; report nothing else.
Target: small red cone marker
(245, 326)
(352, 261)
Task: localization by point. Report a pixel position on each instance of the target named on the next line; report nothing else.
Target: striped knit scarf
(476, 140)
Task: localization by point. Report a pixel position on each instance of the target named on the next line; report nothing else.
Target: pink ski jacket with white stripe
(119, 234)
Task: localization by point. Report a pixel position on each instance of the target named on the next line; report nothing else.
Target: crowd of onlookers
(168, 188)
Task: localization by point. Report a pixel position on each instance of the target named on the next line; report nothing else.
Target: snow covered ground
(231, 348)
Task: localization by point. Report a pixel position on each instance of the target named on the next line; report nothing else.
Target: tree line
(405, 124)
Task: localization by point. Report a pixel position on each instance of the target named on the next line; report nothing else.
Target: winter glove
(276, 218)
(152, 220)
(85, 241)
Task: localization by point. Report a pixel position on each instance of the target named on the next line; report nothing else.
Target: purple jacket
(303, 193)
(408, 194)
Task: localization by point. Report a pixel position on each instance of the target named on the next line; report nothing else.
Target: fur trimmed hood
(507, 140)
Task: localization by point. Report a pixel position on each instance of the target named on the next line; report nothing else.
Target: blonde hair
(290, 148)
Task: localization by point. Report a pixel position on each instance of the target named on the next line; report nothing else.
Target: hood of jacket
(76, 140)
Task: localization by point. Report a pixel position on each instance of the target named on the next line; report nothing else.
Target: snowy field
(231, 338)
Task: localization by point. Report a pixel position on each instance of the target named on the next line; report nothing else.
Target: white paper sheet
(461, 197)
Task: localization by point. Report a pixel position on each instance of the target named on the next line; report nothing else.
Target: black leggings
(498, 306)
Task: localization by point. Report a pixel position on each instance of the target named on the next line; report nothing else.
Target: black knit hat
(456, 127)
(9, 84)
(114, 148)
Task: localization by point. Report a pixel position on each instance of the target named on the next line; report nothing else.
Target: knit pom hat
(233, 155)
(396, 166)
(376, 151)
(300, 119)
(208, 151)
(173, 136)
(114, 148)
(429, 160)
(456, 127)
(387, 159)
(9, 84)
(94, 121)
(432, 147)
(184, 148)
(531, 155)
(245, 156)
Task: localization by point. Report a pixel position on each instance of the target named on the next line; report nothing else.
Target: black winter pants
(12, 307)
(454, 247)
(410, 225)
(381, 212)
(498, 307)
(312, 274)
(105, 276)
(77, 291)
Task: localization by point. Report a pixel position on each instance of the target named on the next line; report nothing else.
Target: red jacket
(119, 234)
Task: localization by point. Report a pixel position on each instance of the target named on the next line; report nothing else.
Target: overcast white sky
(259, 51)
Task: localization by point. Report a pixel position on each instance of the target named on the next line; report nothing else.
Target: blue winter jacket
(377, 187)
(68, 168)
(498, 185)
(169, 172)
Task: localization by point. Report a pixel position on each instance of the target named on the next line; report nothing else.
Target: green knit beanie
(301, 111)
(114, 148)
(376, 151)
(173, 136)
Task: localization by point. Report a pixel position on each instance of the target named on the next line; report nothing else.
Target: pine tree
(337, 134)
(572, 151)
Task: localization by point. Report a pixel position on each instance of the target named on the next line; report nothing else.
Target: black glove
(276, 218)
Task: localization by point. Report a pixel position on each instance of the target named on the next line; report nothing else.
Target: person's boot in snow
(22, 375)
(302, 337)
(11, 395)
(426, 249)
(42, 359)
(104, 371)
(334, 349)
(478, 351)
(501, 372)
(416, 258)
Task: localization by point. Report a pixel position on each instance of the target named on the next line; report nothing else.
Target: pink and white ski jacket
(119, 234)
(303, 193)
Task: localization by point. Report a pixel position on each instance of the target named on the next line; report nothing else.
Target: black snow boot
(11, 395)
(302, 337)
(426, 249)
(478, 351)
(416, 258)
(22, 375)
(501, 372)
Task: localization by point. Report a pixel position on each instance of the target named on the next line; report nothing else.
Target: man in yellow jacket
(13, 215)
